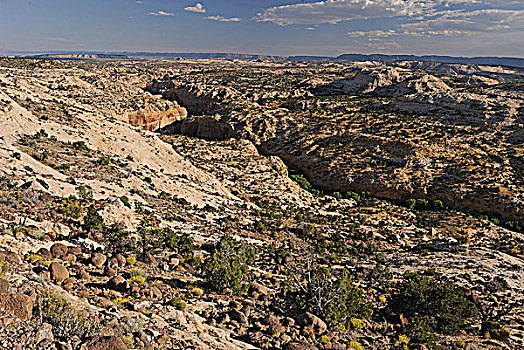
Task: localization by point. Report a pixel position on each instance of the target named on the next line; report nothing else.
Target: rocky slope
(116, 237)
(400, 131)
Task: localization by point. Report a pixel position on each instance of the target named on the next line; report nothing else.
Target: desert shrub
(41, 134)
(116, 239)
(178, 303)
(355, 345)
(41, 156)
(357, 197)
(73, 208)
(93, 221)
(103, 161)
(138, 279)
(333, 298)
(79, 146)
(227, 267)
(137, 272)
(433, 306)
(150, 239)
(65, 319)
(424, 204)
(304, 183)
(337, 195)
(182, 242)
(84, 192)
(125, 201)
(192, 259)
(420, 331)
(494, 330)
(4, 267)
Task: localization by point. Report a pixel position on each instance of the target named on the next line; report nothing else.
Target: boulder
(4, 286)
(118, 283)
(98, 260)
(299, 346)
(308, 320)
(19, 305)
(44, 332)
(58, 272)
(106, 343)
(59, 250)
(44, 253)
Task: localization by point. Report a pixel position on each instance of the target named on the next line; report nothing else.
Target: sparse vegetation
(227, 267)
(65, 320)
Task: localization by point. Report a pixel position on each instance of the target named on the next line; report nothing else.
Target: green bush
(125, 201)
(103, 161)
(494, 330)
(84, 192)
(79, 146)
(227, 267)
(73, 208)
(333, 298)
(66, 321)
(4, 267)
(436, 306)
(93, 221)
(424, 204)
(182, 242)
(178, 303)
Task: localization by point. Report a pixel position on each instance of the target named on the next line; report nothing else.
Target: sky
(271, 27)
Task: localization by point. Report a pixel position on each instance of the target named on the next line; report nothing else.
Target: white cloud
(161, 13)
(334, 11)
(469, 22)
(199, 8)
(59, 39)
(139, 2)
(372, 33)
(223, 19)
(429, 12)
(453, 23)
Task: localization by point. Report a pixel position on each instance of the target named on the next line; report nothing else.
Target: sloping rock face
(207, 128)
(152, 120)
(401, 130)
(196, 104)
(365, 81)
(196, 100)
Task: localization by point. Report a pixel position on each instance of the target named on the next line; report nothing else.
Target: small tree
(227, 267)
(314, 288)
(433, 306)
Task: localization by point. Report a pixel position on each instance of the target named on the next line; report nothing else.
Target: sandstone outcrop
(153, 120)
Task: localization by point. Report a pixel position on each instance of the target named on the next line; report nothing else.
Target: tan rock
(58, 272)
(19, 305)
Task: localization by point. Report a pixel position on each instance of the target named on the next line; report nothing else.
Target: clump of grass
(65, 319)
(137, 279)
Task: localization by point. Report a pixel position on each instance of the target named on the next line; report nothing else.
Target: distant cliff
(497, 61)
(88, 56)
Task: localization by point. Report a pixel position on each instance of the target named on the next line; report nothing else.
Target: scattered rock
(118, 283)
(59, 250)
(44, 332)
(308, 320)
(19, 305)
(299, 346)
(58, 272)
(106, 343)
(98, 260)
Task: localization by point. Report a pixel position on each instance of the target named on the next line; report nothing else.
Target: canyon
(186, 204)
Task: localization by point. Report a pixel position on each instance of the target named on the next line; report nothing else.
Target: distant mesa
(83, 56)
(491, 61)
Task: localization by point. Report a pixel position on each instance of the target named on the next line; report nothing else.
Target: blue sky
(278, 27)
